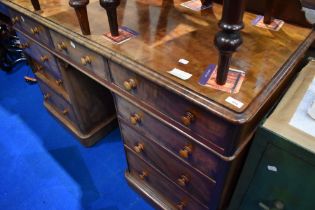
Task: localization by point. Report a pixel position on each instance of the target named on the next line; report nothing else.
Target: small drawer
(81, 55)
(190, 152)
(42, 56)
(59, 103)
(213, 131)
(198, 185)
(31, 27)
(150, 177)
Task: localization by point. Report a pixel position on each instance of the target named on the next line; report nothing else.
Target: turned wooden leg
(268, 16)
(111, 9)
(81, 12)
(206, 2)
(36, 5)
(229, 39)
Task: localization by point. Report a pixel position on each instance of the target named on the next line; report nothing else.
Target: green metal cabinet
(279, 172)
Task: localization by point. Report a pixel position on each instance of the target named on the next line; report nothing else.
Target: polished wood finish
(199, 186)
(151, 177)
(111, 10)
(81, 12)
(229, 39)
(36, 5)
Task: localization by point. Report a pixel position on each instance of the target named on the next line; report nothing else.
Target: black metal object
(10, 51)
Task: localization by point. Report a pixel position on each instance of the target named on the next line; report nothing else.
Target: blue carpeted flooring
(42, 166)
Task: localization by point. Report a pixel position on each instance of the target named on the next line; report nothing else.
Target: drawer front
(144, 173)
(81, 55)
(42, 56)
(186, 178)
(193, 154)
(215, 132)
(31, 27)
(60, 104)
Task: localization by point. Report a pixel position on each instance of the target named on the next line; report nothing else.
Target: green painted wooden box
(279, 172)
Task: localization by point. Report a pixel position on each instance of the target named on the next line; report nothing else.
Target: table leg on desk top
(81, 12)
(111, 9)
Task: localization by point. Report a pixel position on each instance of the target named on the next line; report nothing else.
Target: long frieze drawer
(190, 152)
(32, 27)
(153, 179)
(81, 55)
(60, 104)
(198, 185)
(213, 129)
(42, 56)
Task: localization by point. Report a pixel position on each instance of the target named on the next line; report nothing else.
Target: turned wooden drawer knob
(143, 175)
(24, 45)
(35, 30)
(186, 151)
(46, 96)
(188, 118)
(65, 111)
(43, 58)
(15, 20)
(86, 60)
(59, 82)
(183, 180)
(61, 46)
(138, 148)
(130, 84)
(181, 205)
(135, 119)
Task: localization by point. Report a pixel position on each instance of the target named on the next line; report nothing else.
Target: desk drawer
(81, 55)
(144, 173)
(193, 154)
(59, 103)
(42, 56)
(214, 131)
(32, 27)
(179, 172)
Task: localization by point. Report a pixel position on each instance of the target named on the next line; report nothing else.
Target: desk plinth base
(86, 139)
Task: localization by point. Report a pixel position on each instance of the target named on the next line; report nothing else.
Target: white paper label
(272, 168)
(183, 61)
(22, 19)
(311, 110)
(180, 74)
(234, 102)
(72, 44)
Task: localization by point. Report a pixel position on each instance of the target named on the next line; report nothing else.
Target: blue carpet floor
(42, 166)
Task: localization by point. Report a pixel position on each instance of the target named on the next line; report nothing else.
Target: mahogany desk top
(170, 32)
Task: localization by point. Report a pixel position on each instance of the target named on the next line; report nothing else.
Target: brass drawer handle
(35, 30)
(186, 151)
(24, 45)
(143, 175)
(39, 68)
(181, 205)
(43, 58)
(130, 84)
(46, 96)
(86, 60)
(188, 118)
(65, 111)
(183, 180)
(15, 19)
(139, 148)
(135, 119)
(59, 82)
(62, 46)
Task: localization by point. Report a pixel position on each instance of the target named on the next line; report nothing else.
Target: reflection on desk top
(169, 32)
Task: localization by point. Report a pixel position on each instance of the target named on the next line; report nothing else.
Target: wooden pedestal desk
(184, 142)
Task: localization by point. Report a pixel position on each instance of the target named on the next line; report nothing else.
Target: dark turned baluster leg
(206, 3)
(111, 9)
(229, 39)
(268, 16)
(81, 12)
(36, 5)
